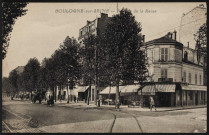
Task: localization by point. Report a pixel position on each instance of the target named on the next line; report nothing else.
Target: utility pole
(95, 91)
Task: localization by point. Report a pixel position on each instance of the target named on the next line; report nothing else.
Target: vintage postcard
(104, 67)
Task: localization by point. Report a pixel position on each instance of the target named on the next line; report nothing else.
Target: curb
(183, 108)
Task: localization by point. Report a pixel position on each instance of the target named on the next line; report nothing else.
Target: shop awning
(194, 87)
(111, 90)
(147, 90)
(165, 87)
(130, 89)
(151, 89)
(79, 89)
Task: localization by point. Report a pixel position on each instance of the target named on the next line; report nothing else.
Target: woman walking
(152, 103)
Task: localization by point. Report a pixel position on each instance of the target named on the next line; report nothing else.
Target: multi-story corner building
(190, 24)
(176, 71)
(95, 27)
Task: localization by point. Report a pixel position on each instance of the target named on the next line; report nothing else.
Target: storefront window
(202, 95)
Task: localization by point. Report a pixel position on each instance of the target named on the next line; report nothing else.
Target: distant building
(190, 24)
(176, 71)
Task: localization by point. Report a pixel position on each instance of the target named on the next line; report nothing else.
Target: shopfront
(163, 94)
(194, 95)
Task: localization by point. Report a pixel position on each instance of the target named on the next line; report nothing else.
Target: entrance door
(196, 98)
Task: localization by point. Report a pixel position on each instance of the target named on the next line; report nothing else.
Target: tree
(13, 78)
(88, 61)
(201, 46)
(30, 75)
(11, 11)
(122, 42)
(6, 86)
(67, 65)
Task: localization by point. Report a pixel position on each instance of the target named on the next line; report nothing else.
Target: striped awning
(111, 90)
(152, 89)
(147, 90)
(194, 87)
(165, 87)
(130, 89)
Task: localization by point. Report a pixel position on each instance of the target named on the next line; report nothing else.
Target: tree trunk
(31, 96)
(95, 91)
(67, 95)
(142, 98)
(88, 94)
(109, 96)
(55, 94)
(117, 96)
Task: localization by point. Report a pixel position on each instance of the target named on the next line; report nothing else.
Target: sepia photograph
(104, 67)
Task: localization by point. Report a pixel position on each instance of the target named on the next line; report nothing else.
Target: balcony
(165, 79)
(169, 60)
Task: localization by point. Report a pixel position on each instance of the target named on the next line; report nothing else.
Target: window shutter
(162, 54)
(166, 54)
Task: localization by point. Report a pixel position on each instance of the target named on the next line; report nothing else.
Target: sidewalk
(82, 104)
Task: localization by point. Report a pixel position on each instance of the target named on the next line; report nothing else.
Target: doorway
(196, 98)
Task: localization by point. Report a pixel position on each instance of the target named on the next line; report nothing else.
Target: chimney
(168, 35)
(187, 44)
(174, 36)
(201, 5)
(88, 22)
(171, 35)
(143, 38)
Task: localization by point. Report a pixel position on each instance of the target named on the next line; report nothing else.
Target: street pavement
(25, 117)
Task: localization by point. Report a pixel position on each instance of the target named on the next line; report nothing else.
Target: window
(195, 78)
(164, 73)
(200, 79)
(164, 54)
(190, 78)
(184, 77)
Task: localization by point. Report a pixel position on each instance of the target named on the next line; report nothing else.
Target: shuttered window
(190, 78)
(184, 77)
(195, 78)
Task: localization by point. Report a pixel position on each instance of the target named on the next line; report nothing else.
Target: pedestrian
(74, 99)
(152, 103)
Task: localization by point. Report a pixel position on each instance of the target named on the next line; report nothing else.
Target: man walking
(152, 103)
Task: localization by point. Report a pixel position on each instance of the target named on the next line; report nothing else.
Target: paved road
(21, 116)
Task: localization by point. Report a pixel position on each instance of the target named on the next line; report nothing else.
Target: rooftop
(164, 39)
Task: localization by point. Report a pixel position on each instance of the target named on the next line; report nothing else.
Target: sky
(45, 26)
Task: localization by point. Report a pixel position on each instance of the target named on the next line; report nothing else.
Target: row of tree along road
(110, 58)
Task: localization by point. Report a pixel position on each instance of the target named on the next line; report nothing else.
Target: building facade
(190, 24)
(95, 27)
(176, 71)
